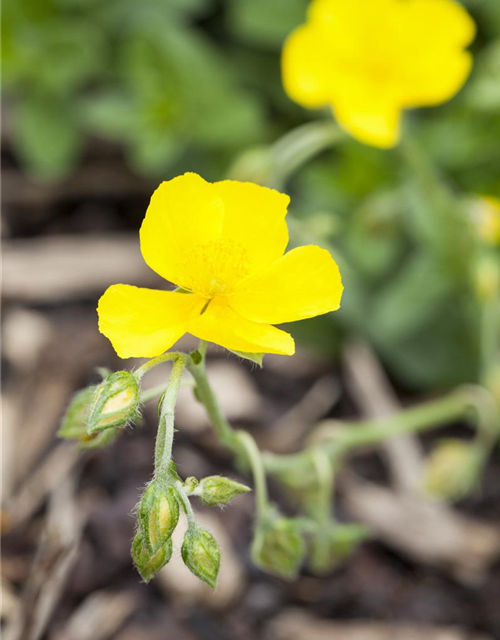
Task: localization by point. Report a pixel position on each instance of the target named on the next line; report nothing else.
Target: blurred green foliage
(191, 84)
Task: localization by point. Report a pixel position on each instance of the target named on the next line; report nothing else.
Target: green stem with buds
(350, 436)
(321, 459)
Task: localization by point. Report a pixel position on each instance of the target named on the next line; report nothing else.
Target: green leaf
(47, 137)
(265, 22)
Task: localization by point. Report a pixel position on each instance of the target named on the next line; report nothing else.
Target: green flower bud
(201, 554)
(218, 490)
(158, 515)
(115, 403)
(190, 485)
(452, 470)
(278, 547)
(146, 562)
(329, 547)
(74, 423)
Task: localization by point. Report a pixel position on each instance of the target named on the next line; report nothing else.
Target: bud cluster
(158, 515)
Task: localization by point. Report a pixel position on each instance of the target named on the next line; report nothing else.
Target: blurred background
(102, 99)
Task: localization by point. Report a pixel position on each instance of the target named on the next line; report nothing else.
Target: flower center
(216, 267)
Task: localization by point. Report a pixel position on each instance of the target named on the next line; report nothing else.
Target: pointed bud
(190, 484)
(278, 547)
(452, 470)
(158, 515)
(147, 563)
(201, 554)
(218, 490)
(74, 423)
(115, 403)
(329, 547)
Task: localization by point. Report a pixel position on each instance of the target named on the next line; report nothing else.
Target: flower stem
(324, 471)
(273, 165)
(254, 456)
(465, 403)
(165, 437)
(302, 144)
(165, 357)
(206, 396)
(457, 405)
(185, 502)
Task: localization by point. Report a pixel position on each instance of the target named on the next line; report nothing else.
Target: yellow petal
(143, 323)
(304, 67)
(435, 66)
(369, 120)
(221, 325)
(185, 216)
(304, 283)
(254, 224)
(440, 23)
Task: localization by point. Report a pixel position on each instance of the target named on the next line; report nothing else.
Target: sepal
(147, 563)
(74, 423)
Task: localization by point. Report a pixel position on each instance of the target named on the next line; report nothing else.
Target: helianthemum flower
(370, 59)
(222, 244)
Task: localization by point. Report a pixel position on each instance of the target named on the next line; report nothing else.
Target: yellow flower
(369, 59)
(486, 217)
(223, 244)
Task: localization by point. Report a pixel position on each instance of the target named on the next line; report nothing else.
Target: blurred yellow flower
(486, 217)
(369, 59)
(223, 245)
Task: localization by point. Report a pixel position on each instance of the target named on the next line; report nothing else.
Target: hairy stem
(354, 435)
(206, 396)
(165, 437)
(165, 357)
(185, 502)
(254, 457)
